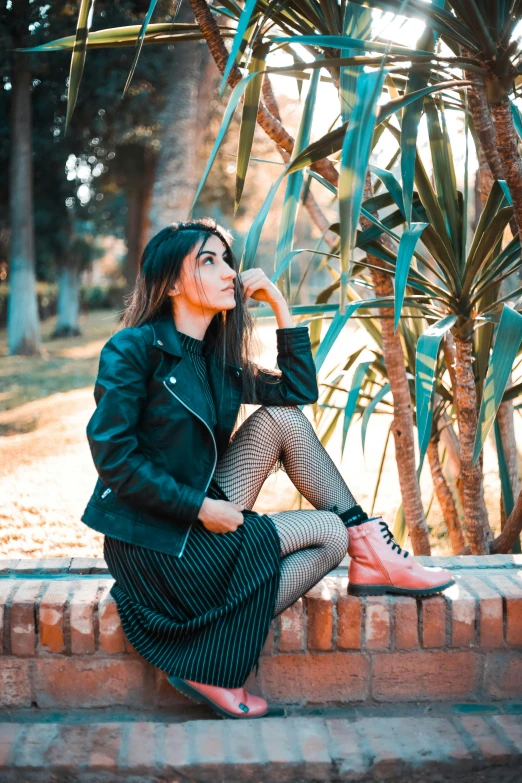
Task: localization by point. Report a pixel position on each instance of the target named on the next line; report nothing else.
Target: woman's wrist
(282, 313)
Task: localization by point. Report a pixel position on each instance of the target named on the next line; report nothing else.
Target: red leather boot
(379, 565)
(227, 702)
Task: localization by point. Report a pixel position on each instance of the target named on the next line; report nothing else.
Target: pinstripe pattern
(204, 616)
(194, 347)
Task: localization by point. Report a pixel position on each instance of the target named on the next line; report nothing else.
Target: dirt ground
(46, 470)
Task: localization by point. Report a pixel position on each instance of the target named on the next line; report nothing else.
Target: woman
(198, 574)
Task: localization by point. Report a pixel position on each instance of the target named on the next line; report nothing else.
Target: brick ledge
(309, 749)
(62, 644)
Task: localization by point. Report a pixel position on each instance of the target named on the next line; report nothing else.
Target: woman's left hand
(258, 286)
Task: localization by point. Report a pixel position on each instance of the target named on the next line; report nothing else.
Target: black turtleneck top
(194, 349)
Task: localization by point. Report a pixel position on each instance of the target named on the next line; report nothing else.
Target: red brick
(503, 676)
(141, 743)
(512, 726)
(488, 742)
(128, 646)
(383, 739)
(349, 611)
(39, 738)
(69, 749)
(51, 615)
(207, 741)
(105, 742)
(7, 587)
(81, 612)
(15, 684)
(28, 565)
(240, 745)
(313, 742)
(512, 593)
(268, 647)
(82, 565)
(338, 677)
(405, 620)
(490, 613)
(168, 697)
(6, 566)
(434, 621)
(9, 734)
(427, 741)
(292, 628)
(176, 751)
(403, 676)
(22, 615)
(347, 750)
(320, 618)
(461, 604)
(55, 565)
(79, 682)
(377, 623)
(279, 745)
(112, 638)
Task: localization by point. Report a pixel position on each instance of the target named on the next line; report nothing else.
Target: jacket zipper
(215, 454)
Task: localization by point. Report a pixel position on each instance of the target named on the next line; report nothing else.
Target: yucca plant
(338, 35)
(484, 40)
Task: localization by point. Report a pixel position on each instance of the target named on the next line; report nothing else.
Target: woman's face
(207, 280)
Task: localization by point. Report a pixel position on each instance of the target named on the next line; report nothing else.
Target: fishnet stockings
(313, 541)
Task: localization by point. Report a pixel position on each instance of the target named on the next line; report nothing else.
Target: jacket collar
(166, 337)
(184, 382)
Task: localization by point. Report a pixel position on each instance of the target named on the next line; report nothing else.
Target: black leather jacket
(151, 436)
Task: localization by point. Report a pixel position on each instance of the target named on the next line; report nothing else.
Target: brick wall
(62, 645)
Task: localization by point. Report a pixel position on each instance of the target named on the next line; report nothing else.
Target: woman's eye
(208, 259)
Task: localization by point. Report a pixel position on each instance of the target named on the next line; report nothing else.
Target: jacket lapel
(184, 382)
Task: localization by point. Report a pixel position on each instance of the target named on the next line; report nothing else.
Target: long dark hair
(231, 331)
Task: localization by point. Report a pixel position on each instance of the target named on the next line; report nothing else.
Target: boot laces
(388, 536)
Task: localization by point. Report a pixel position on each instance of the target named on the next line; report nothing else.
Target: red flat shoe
(227, 702)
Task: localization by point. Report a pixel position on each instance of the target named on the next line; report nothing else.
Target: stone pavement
(418, 744)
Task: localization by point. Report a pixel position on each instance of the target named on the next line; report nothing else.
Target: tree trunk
(178, 169)
(266, 120)
(503, 543)
(68, 301)
(506, 423)
(23, 325)
(446, 500)
(402, 426)
(466, 397)
(507, 145)
(139, 182)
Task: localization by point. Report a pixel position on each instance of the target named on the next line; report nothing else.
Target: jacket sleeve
(296, 384)
(120, 393)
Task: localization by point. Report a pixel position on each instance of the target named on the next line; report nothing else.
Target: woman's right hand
(220, 516)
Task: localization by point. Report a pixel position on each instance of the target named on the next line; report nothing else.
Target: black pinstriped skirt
(203, 616)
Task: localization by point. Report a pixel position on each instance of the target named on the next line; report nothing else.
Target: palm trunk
(445, 498)
(23, 325)
(466, 397)
(507, 145)
(503, 543)
(266, 120)
(402, 425)
(491, 166)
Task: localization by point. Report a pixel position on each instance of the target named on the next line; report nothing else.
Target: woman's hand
(220, 516)
(258, 286)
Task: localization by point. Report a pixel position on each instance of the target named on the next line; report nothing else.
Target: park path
(46, 469)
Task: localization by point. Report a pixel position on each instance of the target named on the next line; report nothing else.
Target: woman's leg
(276, 437)
(312, 541)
